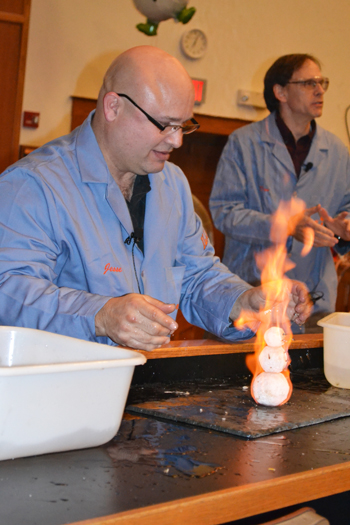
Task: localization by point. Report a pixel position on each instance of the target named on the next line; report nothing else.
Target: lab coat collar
(92, 165)
(93, 169)
(271, 135)
(160, 200)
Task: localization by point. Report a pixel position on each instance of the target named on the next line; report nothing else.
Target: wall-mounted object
(199, 90)
(159, 10)
(251, 98)
(194, 43)
(30, 119)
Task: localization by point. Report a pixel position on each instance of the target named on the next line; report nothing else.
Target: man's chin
(155, 167)
(317, 112)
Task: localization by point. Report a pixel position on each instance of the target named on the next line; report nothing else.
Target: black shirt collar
(287, 135)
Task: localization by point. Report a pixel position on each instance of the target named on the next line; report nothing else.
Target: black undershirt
(298, 150)
(137, 207)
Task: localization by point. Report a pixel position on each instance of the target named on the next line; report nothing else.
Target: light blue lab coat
(63, 226)
(254, 174)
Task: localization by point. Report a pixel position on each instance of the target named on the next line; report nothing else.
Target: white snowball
(274, 336)
(273, 359)
(270, 389)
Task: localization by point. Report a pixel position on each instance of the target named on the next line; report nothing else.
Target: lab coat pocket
(174, 277)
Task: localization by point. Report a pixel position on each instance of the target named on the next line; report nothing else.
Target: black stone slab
(233, 410)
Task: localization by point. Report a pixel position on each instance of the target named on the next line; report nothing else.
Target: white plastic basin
(59, 393)
(336, 348)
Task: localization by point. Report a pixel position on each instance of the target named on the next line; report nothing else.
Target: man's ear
(279, 92)
(110, 106)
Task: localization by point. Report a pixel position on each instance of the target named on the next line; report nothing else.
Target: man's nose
(175, 139)
(319, 89)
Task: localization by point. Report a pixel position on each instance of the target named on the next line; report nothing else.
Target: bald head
(146, 73)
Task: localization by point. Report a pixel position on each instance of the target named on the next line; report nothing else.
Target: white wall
(72, 42)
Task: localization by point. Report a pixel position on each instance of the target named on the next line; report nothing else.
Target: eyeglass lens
(311, 83)
(324, 82)
(188, 127)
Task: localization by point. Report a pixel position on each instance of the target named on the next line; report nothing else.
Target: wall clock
(194, 43)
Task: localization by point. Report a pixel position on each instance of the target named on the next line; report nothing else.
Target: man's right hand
(137, 321)
(301, 224)
(287, 299)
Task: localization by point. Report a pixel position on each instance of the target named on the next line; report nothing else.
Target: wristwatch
(341, 242)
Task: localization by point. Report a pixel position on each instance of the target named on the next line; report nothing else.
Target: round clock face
(194, 43)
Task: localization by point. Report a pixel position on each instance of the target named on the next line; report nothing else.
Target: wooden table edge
(237, 502)
(199, 347)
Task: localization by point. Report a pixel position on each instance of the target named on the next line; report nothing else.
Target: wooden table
(204, 347)
(144, 475)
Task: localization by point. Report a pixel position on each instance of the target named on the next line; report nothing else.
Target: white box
(59, 393)
(336, 348)
(251, 98)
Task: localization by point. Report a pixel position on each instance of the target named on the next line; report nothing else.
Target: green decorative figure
(159, 10)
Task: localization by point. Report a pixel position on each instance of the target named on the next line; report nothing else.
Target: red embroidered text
(109, 268)
(204, 239)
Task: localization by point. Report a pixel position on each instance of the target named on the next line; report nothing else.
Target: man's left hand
(340, 225)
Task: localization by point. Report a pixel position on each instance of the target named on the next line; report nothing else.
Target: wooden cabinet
(14, 23)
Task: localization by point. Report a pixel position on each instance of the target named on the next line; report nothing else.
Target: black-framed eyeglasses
(188, 127)
(311, 83)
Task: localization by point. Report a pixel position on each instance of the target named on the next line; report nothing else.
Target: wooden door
(14, 23)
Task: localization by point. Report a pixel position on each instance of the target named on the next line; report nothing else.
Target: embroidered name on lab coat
(263, 189)
(109, 268)
(204, 239)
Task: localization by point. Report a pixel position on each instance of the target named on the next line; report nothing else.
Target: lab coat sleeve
(209, 289)
(28, 266)
(234, 192)
(344, 247)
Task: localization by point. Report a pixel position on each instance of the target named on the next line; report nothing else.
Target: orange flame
(274, 263)
(309, 235)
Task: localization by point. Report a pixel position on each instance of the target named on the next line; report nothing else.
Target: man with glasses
(283, 156)
(98, 236)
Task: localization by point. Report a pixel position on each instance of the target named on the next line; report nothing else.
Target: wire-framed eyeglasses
(311, 83)
(188, 127)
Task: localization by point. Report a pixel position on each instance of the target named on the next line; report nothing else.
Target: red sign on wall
(199, 90)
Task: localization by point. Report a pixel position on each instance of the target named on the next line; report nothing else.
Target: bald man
(98, 236)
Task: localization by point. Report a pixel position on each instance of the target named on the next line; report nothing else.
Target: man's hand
(138, 321)
(301, 223)
(340, 225)
(291, 300)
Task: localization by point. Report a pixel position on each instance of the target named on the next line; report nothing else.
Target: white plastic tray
(59, 393)
(336, 348)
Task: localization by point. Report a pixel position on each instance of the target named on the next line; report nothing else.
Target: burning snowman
(271, 387)
(271, 384)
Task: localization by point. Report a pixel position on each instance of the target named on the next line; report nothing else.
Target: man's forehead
(309, 68)
(175, 108)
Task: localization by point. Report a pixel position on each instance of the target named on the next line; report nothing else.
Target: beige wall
(72, 42)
